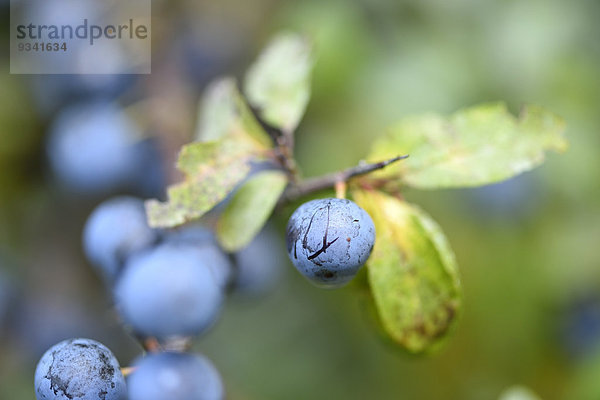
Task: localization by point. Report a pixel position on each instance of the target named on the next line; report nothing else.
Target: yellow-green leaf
(223, 112)
(249, 209)
(228, 139)
(475, 146)
(412, 273)
(278, 83)
(212, 170)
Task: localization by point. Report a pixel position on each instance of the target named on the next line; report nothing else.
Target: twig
(330, 180)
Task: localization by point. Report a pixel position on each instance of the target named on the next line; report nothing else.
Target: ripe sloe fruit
(90, 148)
(116, 229)
(169, 291)
(328, 240)
(79, 369)
(175, 376)
(208, 248)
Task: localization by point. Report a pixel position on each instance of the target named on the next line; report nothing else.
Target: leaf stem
(330, 180)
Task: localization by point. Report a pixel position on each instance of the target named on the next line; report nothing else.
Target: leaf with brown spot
(212, 170)
(229, 138)
(412, 273)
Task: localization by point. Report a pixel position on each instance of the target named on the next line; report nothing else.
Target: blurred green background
(527, 248)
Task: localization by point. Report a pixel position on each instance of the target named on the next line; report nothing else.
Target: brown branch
(327, 181)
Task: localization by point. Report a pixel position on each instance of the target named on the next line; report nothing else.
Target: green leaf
(278, 83)
(223, 112)
(249, 209)
(212, 170)
(475, 146)
(412, 273)
(518, 392)
(228, 139)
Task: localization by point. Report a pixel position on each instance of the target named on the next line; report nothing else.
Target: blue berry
(175, 376)
(206, 243)
(259, 265)
(328, 240)
(79, 369)
(91, 150)
(116, 229)
(169, 291)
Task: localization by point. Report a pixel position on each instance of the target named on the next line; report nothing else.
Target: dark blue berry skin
(91, 148)
(328, 240)
(169, 291)
(115, 230)
(175, 376)
(79, 369)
